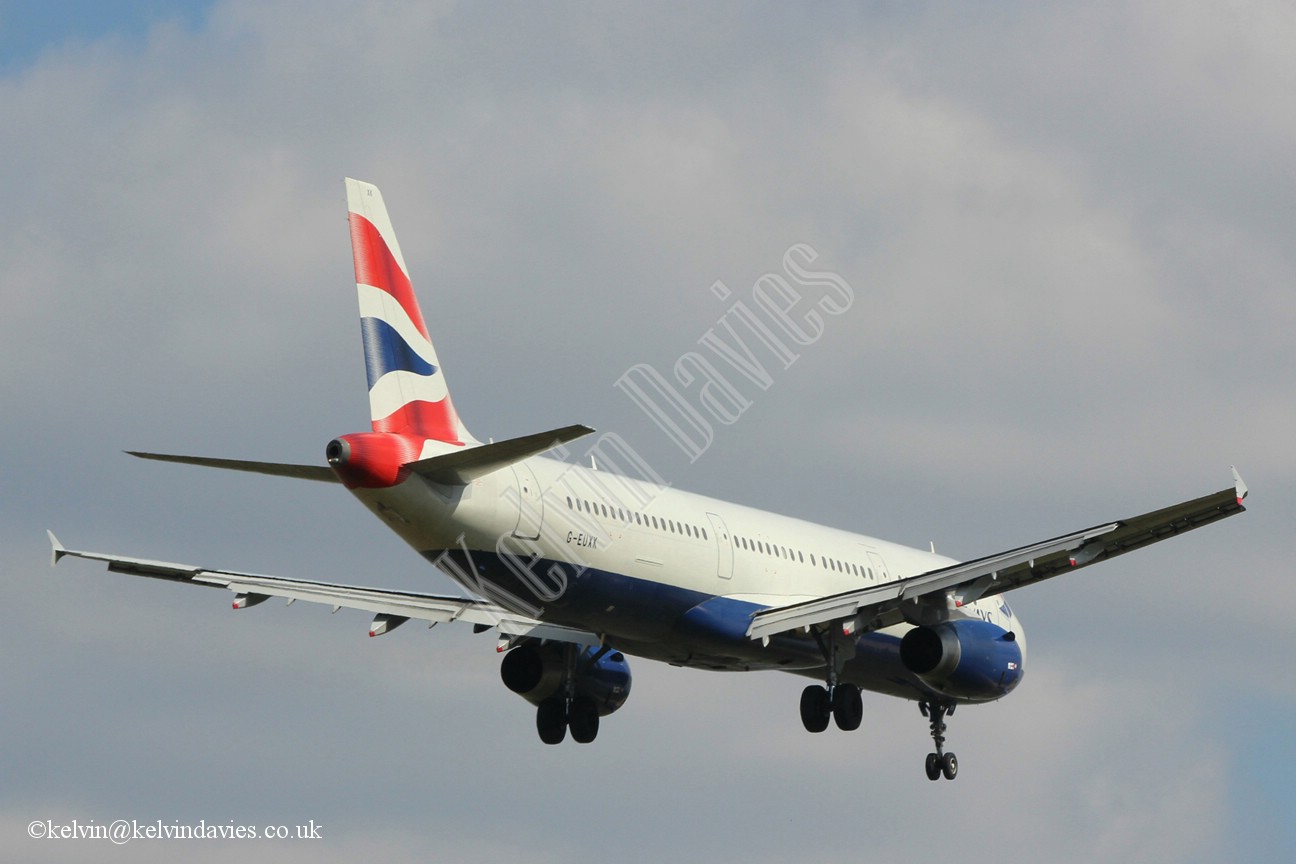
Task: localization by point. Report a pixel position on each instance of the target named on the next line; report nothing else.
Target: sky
(1067, 233)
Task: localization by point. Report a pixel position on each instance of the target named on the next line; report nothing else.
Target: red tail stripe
(427, 419)
(376, 265)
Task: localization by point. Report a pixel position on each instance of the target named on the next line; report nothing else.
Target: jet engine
(965, 659)
(538, 673)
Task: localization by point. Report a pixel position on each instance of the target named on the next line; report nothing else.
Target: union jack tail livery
(407, 387)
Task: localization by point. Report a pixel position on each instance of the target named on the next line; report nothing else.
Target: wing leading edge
(392, 608)
(884, 605)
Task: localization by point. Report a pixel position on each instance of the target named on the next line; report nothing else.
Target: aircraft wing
(881, 606)
(392, 608)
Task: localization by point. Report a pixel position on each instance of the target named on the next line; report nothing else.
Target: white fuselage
(657, 572)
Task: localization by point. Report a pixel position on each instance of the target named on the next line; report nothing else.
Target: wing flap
(869, 603)
(432, 608)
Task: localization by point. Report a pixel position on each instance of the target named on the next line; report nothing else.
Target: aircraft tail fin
(407, 386)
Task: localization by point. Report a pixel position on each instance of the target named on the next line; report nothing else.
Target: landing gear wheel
(847, 707)
(583, 719)
(551, 721)
(949, 766)
(816, 708)
(933, 766)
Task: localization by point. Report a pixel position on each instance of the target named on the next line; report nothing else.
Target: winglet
(57, 551)
(1238, 485)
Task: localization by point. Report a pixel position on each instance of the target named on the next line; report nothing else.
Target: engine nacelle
(966, 659)
(537, 672)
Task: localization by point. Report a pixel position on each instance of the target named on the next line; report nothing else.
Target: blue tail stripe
(385, 351)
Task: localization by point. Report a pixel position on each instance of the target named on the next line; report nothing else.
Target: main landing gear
(939, 763)
(556, 715)
(841, 703)
(565, 710)
(838, 702)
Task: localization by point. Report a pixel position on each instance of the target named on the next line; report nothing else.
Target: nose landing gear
(939, 763)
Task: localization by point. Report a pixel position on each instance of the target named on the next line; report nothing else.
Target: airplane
(577, 567)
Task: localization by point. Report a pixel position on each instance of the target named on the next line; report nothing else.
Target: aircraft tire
(949, 766)
(816, 708)
(583, 719)
(847, 707)
(551, 721)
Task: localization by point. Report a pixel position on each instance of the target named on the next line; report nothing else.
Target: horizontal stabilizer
(459, 468)
(275, 469)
